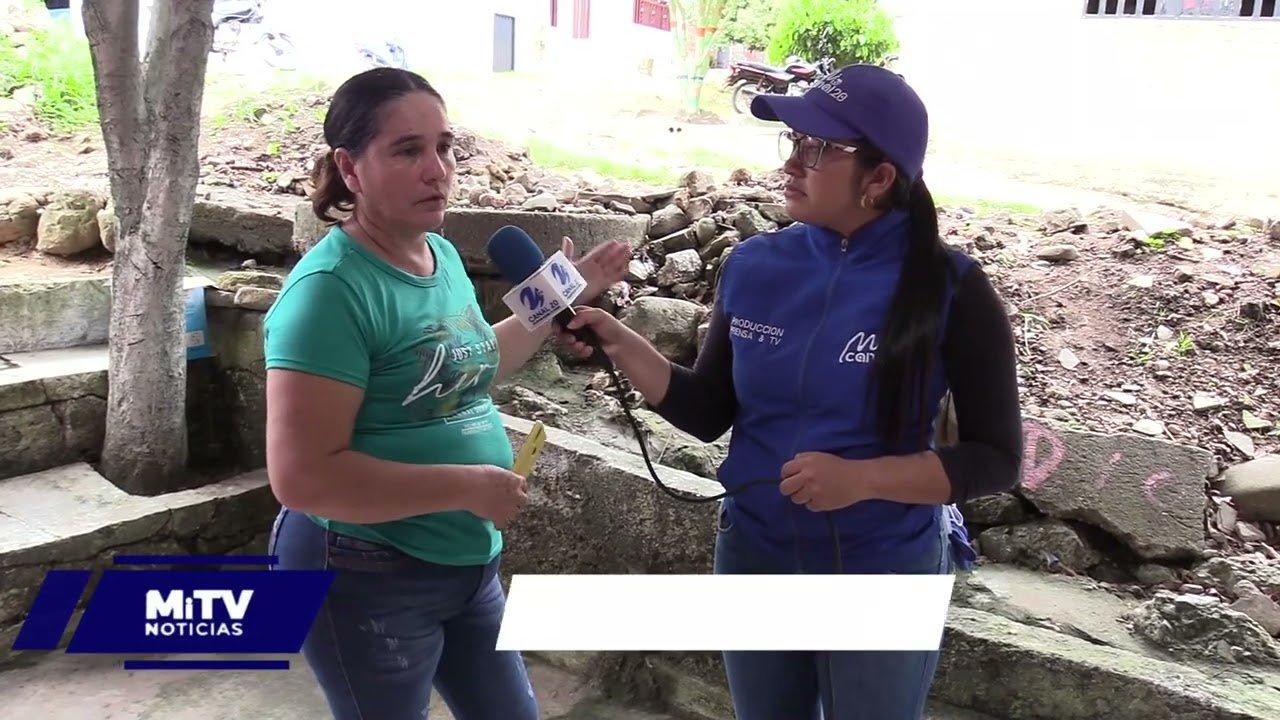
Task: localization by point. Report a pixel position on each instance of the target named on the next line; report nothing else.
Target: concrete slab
(65, 313)
(1079, 605)
(255, 225)
(16, 534)
(54, 314)
(69, 687)
(469, 230)
(41, 364)
(993, 664)
(74, 500)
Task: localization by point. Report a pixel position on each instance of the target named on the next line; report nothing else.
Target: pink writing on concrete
(1153, 483)
(1035, 469)
(1044, 451)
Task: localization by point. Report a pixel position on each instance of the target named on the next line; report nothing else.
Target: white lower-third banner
(725, 612)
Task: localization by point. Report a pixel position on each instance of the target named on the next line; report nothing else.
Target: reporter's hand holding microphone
(613, 335)
(647, 369)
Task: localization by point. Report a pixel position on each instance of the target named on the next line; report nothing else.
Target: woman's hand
(821, 481)
(605, 265)
(496, 494)
(611, 332)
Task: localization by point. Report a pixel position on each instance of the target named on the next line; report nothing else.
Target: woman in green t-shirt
(383, 445)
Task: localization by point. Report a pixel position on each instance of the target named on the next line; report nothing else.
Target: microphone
(543, 289)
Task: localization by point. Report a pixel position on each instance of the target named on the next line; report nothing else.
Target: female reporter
(830, 346)
(383, 445)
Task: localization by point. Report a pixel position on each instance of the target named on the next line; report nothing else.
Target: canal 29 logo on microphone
(546, 293)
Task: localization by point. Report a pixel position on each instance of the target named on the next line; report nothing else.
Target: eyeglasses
(809, 149)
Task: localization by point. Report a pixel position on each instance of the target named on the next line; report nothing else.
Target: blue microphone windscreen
(515, 254)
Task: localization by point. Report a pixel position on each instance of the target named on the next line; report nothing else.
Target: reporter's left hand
(821, 481)
(605, 265)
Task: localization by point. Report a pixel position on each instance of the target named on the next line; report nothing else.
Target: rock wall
(49, 422)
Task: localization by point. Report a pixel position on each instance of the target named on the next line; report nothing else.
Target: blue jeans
(855, 685)
(393, 626)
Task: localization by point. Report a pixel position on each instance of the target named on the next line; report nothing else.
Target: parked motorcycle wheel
(743, 93)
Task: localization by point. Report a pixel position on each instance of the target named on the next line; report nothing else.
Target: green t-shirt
(425, 357)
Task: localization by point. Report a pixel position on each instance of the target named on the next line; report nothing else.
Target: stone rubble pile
(1230, 615)
(64, 222)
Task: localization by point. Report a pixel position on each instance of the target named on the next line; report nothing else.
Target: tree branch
(112, 29)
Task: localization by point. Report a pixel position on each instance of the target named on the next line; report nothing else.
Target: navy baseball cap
(858, 102)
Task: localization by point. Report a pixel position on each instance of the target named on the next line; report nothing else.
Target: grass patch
(986, 206)
(665, 170)
(553, 157)
(54, 62)
(284, 101)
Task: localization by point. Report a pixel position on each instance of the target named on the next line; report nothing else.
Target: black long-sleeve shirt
(979, 357)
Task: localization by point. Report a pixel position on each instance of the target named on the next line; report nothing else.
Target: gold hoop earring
(866, 203)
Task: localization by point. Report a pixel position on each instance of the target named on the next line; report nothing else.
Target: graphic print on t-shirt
(458, 356)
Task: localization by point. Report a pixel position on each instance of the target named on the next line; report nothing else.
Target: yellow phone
(529, 451)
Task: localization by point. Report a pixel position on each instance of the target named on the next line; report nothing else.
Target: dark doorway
(504, 43)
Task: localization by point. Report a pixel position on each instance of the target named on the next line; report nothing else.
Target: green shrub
(54, 60)
(851, 31)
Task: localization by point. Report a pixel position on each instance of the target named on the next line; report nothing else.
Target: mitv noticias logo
(230, 604)
(196, 612)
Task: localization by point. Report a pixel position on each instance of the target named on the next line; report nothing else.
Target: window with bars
(1188, 9)
(652, 13)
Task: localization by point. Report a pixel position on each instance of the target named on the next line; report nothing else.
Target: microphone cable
(621, 396)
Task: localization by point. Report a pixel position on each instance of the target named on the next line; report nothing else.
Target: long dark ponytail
(907, 352)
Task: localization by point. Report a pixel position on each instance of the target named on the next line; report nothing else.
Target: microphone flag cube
(545, 294)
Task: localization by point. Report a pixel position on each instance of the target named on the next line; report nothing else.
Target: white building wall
(1040, 81)
(616, 44)
(436, 35)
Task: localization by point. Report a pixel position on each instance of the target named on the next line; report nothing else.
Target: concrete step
(992, 667)
(61, 687)
(68, 687)
(994, 664)
(53, 406)
(72, 517)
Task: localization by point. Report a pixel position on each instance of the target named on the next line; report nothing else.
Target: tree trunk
(694, 26)
(150, 116)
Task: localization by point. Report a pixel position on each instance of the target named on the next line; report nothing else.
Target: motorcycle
(383, 54)
(238, 25)
(749, 79)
